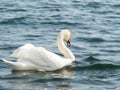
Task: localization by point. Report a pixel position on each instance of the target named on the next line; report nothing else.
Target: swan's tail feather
(19, 66)
(8, 62)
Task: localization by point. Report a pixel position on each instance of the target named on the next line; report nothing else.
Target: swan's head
(66, 35)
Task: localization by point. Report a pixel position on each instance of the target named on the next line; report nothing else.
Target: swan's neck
(63, 49)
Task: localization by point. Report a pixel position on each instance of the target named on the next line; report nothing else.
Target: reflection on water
(60, 79)
(63, 73)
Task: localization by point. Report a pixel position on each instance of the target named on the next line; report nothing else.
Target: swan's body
(30, 57)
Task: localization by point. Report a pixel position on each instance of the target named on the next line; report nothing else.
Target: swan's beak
(68, 43)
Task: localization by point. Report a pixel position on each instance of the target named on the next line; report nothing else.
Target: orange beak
(68, 43)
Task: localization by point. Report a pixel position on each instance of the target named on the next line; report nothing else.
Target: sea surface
(95, 39)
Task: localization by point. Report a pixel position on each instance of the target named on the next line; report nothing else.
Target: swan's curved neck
(63, 49)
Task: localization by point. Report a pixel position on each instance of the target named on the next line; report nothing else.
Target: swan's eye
(67, 37)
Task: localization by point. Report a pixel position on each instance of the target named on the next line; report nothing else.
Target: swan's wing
(38, 56)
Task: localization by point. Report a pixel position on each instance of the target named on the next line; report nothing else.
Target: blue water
(95, 29)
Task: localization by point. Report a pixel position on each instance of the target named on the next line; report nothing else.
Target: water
(95, 28)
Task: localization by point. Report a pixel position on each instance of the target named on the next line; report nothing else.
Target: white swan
(30, 57)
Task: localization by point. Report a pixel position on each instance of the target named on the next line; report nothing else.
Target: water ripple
(90, 39)
(95, 34)
(95, 4)
(98, 67)
(15, 20)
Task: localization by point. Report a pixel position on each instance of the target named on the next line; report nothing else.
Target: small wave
(4, 88)
(13, 20)
(76, 47)
(12, 10)
(91, 39)
(91, 59)
(32, 35)
(43, 80)
(95, 39)
(88, 62)
(113, 17)
(8, 47)
(2, 66)
(17, 10)
(92, 63)
(13, 77)
(62, 22)
(98, 66)
(116, 6)
(94, 4)
(111, 51)
(102, 12)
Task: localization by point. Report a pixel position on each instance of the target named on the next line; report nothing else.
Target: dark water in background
(95, 28)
